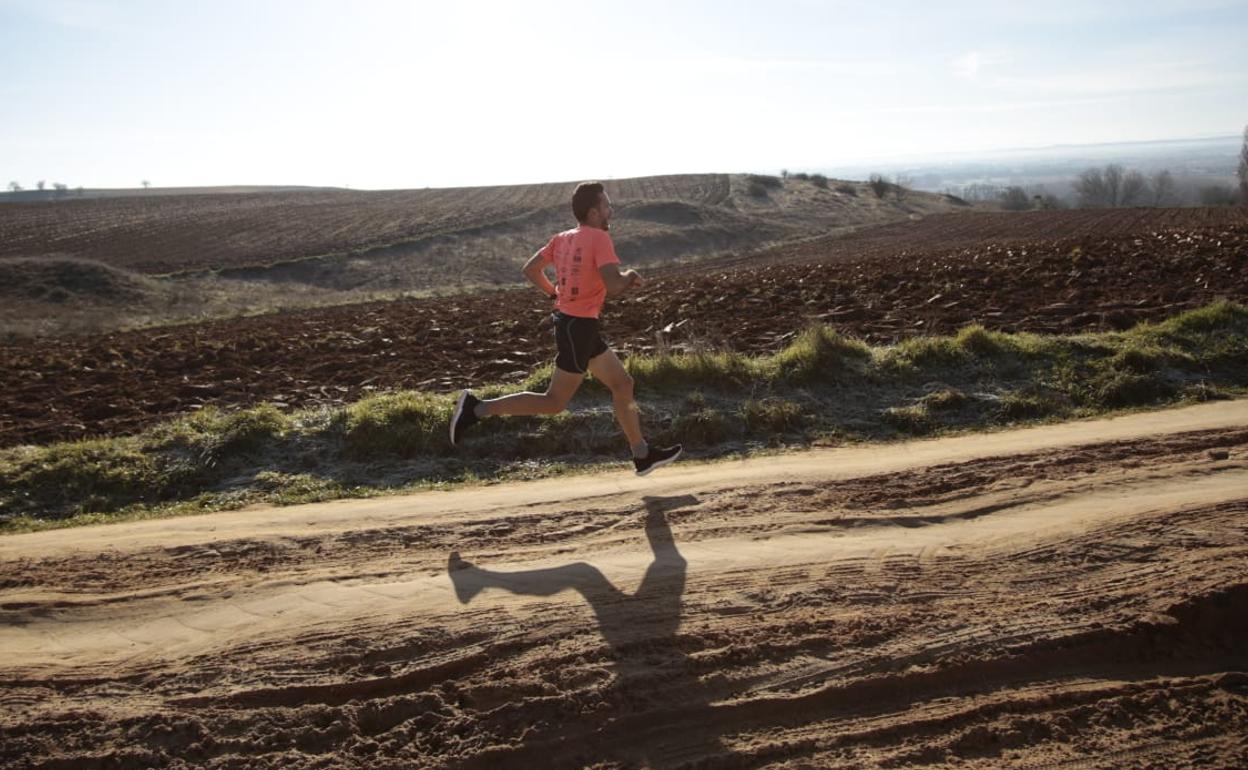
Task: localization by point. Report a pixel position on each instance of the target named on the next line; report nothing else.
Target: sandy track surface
(1062, 596)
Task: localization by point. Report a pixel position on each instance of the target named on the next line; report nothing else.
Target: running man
(587, 270)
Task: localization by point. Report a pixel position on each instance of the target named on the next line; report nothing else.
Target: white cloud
(970, 65)
(967, 65)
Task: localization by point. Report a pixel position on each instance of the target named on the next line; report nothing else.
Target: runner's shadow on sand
(654, 678)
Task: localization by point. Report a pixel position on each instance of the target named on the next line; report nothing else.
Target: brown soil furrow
(1012, 737)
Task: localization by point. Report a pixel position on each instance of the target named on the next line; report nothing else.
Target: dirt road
(1063, 596)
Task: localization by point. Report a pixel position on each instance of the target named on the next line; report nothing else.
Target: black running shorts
(578, 341)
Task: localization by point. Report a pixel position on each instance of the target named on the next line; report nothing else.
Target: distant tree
(1112, 185)
(819, 180)
(1050, 202)
(146, 184)
(1109, 186)
(1163, 187)
(1133, 189)
(1015, 199)
(1218, 195)
(79, 190)
(979, 191)
(878, 184)
(1091, 188)
(61, 189)
(1243, 169)
(15, 187)
(41, 184)
(902, 185)
(1113, 175)
(784, 173)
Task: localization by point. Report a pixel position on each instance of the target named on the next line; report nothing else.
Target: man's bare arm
(535, 271)
(617, 281)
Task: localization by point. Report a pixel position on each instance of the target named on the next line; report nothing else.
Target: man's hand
(616, 280)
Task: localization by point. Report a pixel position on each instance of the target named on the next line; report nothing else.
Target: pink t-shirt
(577, 254)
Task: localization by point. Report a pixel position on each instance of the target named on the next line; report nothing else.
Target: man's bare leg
(563, 385)
(608, 369)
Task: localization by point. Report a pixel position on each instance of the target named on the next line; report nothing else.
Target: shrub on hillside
(760, 184)
(879, 185)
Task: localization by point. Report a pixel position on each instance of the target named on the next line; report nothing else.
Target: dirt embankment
(1064, 596)
(882, 284)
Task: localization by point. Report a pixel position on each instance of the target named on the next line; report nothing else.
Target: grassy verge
(822, 388)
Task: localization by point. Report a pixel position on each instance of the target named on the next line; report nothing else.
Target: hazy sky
(383, 93)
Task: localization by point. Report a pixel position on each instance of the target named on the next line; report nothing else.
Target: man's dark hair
(585, 197)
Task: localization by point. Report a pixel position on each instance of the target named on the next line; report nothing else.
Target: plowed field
(1046, 272)
(978, 229)
(177, 233)
(1071, 596)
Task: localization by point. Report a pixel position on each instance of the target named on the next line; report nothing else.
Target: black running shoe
(464, 417)
(656, 458)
